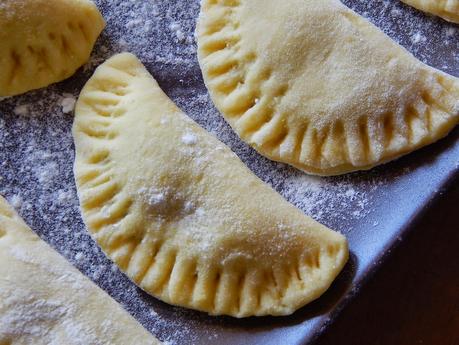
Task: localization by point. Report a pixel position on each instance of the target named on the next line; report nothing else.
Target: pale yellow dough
(447, 9)
(180, 213)
(44, 41)
(46, 301)
(312, 84)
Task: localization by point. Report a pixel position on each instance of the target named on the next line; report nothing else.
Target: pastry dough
(44, 300)
(44, 41)
(447, 9)
(312, 84)
(181, 215)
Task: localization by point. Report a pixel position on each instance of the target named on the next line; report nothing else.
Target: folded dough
(447, 9)
(45, 301)
(44, 41)
(181, 215)
(313, 84)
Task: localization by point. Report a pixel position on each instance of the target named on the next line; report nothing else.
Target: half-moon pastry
(315, 85)
(181, 215)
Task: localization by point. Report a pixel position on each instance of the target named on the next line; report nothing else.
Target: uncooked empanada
(44, 300)
(447, 9)
(44, 41)
(312, 84)
(179, 212)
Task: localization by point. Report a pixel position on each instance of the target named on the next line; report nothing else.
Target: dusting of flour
(36, 147)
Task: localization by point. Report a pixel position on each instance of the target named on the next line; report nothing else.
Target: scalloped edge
(449, 10)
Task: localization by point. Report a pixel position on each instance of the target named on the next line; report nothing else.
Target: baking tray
(374, 209)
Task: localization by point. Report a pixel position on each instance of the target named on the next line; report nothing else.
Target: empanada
(44, 41)
(312, 84)
(181, 215)
(44, 300)
(447, 9)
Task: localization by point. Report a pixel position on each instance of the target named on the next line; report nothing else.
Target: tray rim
(390, 247)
